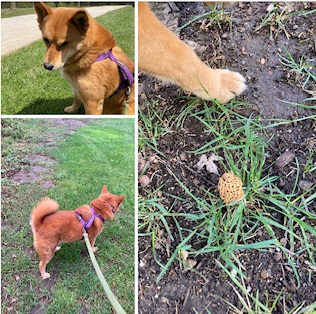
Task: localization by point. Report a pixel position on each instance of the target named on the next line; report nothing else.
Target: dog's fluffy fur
(51, 227)
(74, 40)
(165, 56)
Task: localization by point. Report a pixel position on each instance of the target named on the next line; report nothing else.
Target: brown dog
(83, 51)
(165, 56)
(51, 227)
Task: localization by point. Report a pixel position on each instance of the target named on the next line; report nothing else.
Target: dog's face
(63, 33)
(107, 203)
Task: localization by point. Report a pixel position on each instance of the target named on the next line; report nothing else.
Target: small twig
(186, 297)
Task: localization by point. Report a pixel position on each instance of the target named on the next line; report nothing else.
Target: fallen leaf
(284, 159)
(270, 7)
(202, 162)
(210, 166)
(209, 163)
(184, 254)
(191, 262)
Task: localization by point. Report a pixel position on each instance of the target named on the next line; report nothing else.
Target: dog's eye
(64, 44)
(46, 40)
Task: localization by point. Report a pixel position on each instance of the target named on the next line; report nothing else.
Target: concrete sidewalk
(19, 31)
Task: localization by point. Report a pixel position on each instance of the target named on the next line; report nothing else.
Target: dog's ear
(42, 11)
(120, 199)
(81, 21)
(104, 190)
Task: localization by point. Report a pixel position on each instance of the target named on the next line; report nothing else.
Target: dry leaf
(270, 7)
(209, 163)
(160, 233)
(284, 159)
(185, 255)
(202, 162)
(191, 262)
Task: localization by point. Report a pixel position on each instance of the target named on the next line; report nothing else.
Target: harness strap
(87, 224)
(125, 72)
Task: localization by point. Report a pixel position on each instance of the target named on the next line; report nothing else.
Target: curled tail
(44, 208)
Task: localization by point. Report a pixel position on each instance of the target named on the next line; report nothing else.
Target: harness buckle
(126, 105)
(128, 93)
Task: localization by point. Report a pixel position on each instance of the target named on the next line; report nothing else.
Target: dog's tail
(44, 208)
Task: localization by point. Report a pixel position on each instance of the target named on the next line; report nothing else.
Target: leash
(116, 305)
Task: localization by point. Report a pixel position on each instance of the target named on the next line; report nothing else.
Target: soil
(38, 167)
(255, 54)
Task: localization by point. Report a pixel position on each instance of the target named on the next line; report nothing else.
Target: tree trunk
(13, 6)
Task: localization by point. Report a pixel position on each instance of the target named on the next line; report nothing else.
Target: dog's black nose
(48, 66)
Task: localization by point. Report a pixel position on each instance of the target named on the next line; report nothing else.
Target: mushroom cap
(230, 188)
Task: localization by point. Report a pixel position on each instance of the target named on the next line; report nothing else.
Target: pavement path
(19, 31)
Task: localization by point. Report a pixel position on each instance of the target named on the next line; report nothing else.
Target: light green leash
(117, 306)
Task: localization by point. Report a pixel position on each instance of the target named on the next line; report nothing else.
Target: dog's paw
(45, 275)
(71, 109)
(57, 248)
(232, 85)
(95, 248)
(222, 85)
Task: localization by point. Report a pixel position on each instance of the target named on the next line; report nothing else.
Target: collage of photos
(158, 157)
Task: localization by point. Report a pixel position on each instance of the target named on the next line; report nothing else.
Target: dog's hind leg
(46, 254)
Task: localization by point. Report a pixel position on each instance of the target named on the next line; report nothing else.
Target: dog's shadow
(49, 106)
(69, 254)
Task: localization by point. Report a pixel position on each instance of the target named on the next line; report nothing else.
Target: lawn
(78, 157)
(6, 12)
(27, 88)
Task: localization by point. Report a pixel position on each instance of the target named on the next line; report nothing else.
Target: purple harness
(87, 224)
(125, 73)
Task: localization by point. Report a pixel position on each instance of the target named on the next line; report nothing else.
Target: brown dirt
(38, 167)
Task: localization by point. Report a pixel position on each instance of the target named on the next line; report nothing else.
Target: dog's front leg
(75, 105)
(165, 56)
(92, 239)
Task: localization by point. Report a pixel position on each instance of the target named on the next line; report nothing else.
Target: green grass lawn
(27, 88)
(99, 153)
(6, 12)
